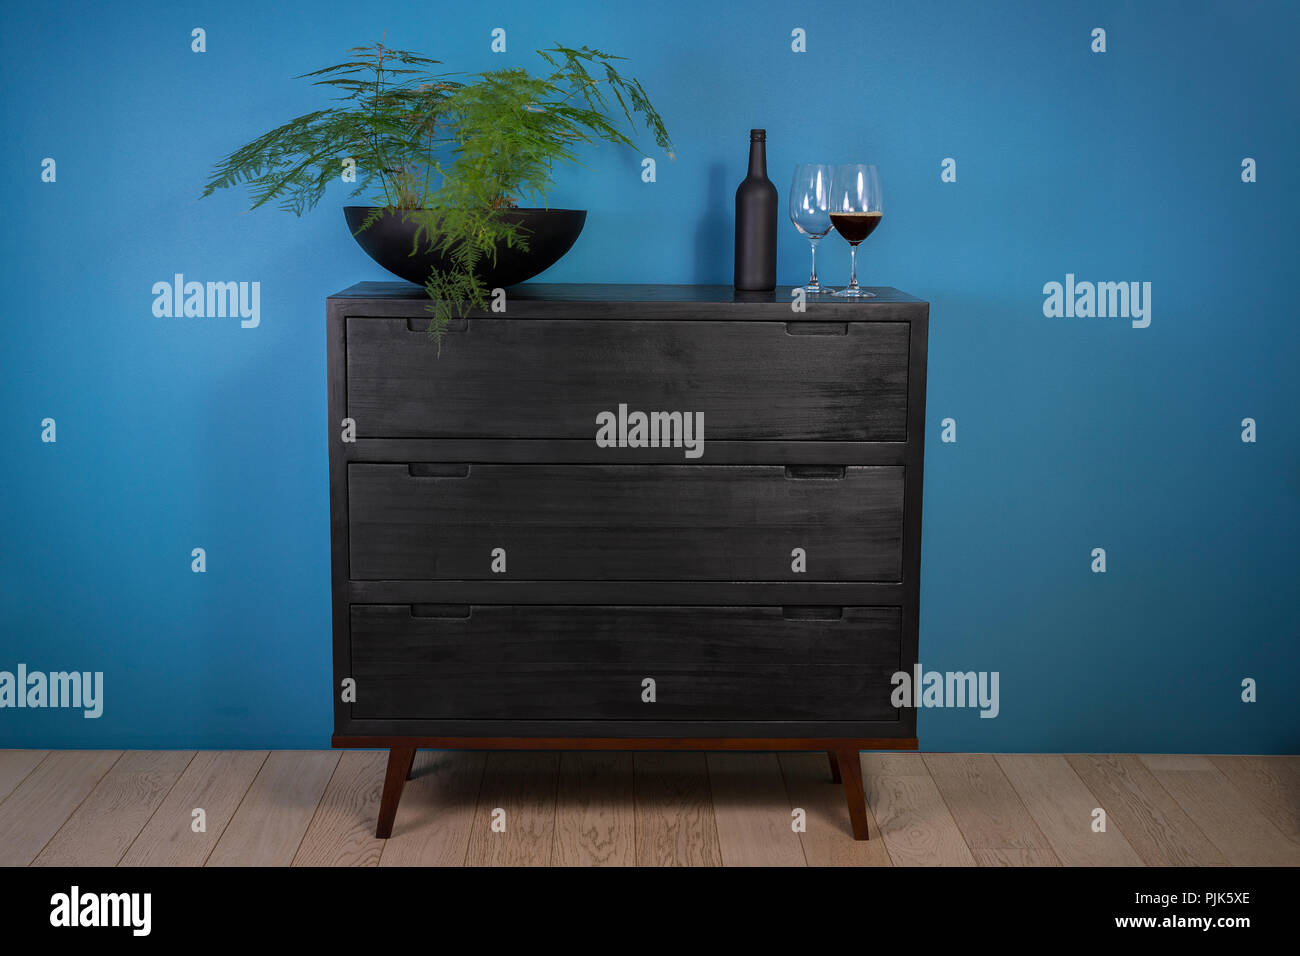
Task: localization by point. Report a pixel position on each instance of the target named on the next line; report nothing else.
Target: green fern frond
(451, 150)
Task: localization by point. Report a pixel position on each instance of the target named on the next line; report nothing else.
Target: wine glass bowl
(855, 212)
(810, 197)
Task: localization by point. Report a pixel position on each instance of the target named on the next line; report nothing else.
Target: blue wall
(1072, 433)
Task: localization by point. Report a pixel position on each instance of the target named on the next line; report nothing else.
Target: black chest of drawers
(535, 544)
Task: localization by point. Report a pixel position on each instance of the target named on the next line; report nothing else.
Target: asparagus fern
(451, 150)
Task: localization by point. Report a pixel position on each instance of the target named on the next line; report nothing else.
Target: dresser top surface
(660, 294)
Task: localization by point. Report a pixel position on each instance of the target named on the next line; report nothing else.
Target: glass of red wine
(855, 210)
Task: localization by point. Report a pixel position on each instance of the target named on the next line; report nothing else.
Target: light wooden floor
(317, 808)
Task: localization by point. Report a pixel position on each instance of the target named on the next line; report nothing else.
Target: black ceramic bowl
(550, 234)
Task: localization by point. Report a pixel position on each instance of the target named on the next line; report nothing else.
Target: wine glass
(810, 196)
(855, 212)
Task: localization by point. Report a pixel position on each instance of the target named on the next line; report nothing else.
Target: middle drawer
(624, 522)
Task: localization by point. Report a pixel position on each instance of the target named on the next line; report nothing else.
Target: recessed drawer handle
(422, 470)
(824, 472)
(453, 325)
(461, 611)
(817, 328)
(812, 613)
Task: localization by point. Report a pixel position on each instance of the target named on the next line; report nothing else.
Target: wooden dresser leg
(410, 771)
(851, 771)
(835, 767)
(399, 767)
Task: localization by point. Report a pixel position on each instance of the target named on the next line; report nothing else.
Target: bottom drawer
(568, 662)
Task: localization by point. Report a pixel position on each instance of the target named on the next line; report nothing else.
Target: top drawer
(550, 378)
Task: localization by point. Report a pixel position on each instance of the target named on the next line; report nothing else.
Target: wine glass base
(817, 289)
(856, 293)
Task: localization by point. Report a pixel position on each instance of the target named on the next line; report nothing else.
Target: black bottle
(756, 222)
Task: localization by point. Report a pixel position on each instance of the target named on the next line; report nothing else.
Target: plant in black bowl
(447, 159)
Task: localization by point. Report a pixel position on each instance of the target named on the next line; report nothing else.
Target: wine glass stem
(853, 270)
(812, 281)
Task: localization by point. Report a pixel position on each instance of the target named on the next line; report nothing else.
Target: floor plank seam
(478, 800)
(234, 813)
(122, 856)
(1110, 821)
(636, 817)
(1260, 808)
(73, 813)
(785, 785)
(1187, 813)
(1246, 801)
(1021, 800)
(713, 805)
(555, 807)
(17, 785)
(947, 806)
(1182, 809)
(320, 801)
(866, 791)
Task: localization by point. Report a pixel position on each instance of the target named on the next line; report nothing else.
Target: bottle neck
(757, 159)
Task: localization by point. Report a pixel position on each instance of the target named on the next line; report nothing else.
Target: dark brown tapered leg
(399, 767)
(410, 774)
(835, 767)
(851, 771)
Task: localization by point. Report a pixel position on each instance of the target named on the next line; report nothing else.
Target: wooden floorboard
(46, 798)
(986, 856)
(515, 821)
(827, 839)
(215, 781)
(15, 766)
(1228, 817)
(675, 825)
(752, 811)
(1152, 821)
(595, 812)
(436, 814)
(101, 830)
(987, 809)
(1176, 762)
(319, 808)
(906, 764)
(1272, 784)
(916, 825)
(1063, 807)
(342, 833)
(273, 817)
